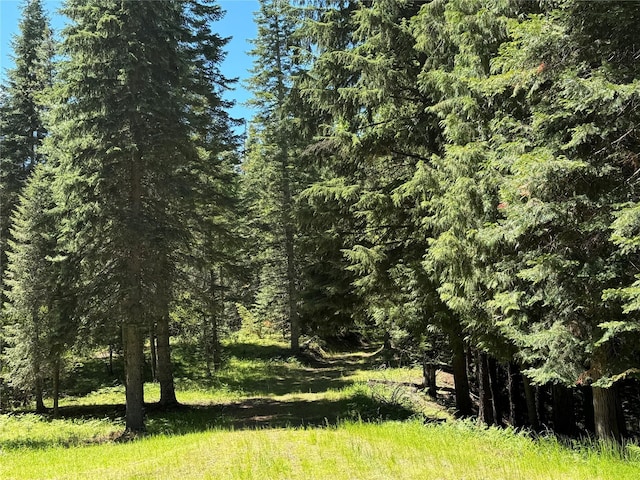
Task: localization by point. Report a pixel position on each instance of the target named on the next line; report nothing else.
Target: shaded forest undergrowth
(259, 386)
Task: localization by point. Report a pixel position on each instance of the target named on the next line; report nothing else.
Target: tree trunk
(495, 389)
(461, 380)
(294, 319)
(605, 412)
(530, 397)
(206, 343)
(40, 408)
(485, 409)
(110, 367)
(165, 370)
(217, 308)
(153, 353)
(134, 362)
(215, 343)
(287, 208)
(564, 421)
(56, 387)
(429, 371)
(513, 387)
(587, 409)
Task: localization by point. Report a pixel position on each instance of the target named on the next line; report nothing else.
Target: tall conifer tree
(137, 100)
(273, 157)
(21, 117)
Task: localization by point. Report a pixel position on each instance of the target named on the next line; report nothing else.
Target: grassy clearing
(391, 450)
(268, 416)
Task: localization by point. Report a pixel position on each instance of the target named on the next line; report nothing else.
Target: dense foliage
(454, 177)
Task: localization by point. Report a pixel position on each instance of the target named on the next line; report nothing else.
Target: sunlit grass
(267, 415)
(392, 450)
(31, 431)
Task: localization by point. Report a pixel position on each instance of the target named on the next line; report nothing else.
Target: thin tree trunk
(495, 389)
(153, 352)
(40, 408)
(56, 387)
(215, 343)
(530, 397)
(110, 367)
(217, 307)
(287, 208)
(165, 369)
(206, 343)
(485, 409)
(605, 410)
(429, 371)
(461, 380)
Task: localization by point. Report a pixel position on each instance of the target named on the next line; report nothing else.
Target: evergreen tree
(21, 117)
(137, 103)
(568, 163)
(39, 309)
(273, 167)
(383, 133)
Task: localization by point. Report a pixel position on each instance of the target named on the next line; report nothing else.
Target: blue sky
(237, 23)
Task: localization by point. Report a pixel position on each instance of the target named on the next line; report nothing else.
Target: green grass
(391, 450)
(269, 416)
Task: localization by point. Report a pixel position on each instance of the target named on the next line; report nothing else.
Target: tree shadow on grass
(268, 370)
(261, 413)
(262, 381)
(280, 379)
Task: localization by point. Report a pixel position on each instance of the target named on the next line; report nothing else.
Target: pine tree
(567, 163)
(138, 101)
(273, 156)
(39, 309)
(382, 135)
(21, 112)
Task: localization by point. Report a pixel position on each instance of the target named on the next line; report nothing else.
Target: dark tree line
(470, 194)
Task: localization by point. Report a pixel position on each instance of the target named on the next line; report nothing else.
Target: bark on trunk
(40, 408)
(110, 367)
(165, 369)
(287, 211)
(56, 387)
(134, 362)
(461, 380)
(153, 352)
(530, 397)
(605, 409)
(495, 389)
(215, 343)
(217, 308)
(294, 319)
(429, 378)
(485, 408)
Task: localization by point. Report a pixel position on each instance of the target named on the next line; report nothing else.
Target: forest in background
(454, 178)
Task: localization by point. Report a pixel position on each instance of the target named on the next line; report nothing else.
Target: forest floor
(267, 415)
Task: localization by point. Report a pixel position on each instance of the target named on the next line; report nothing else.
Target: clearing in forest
(267, 415)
